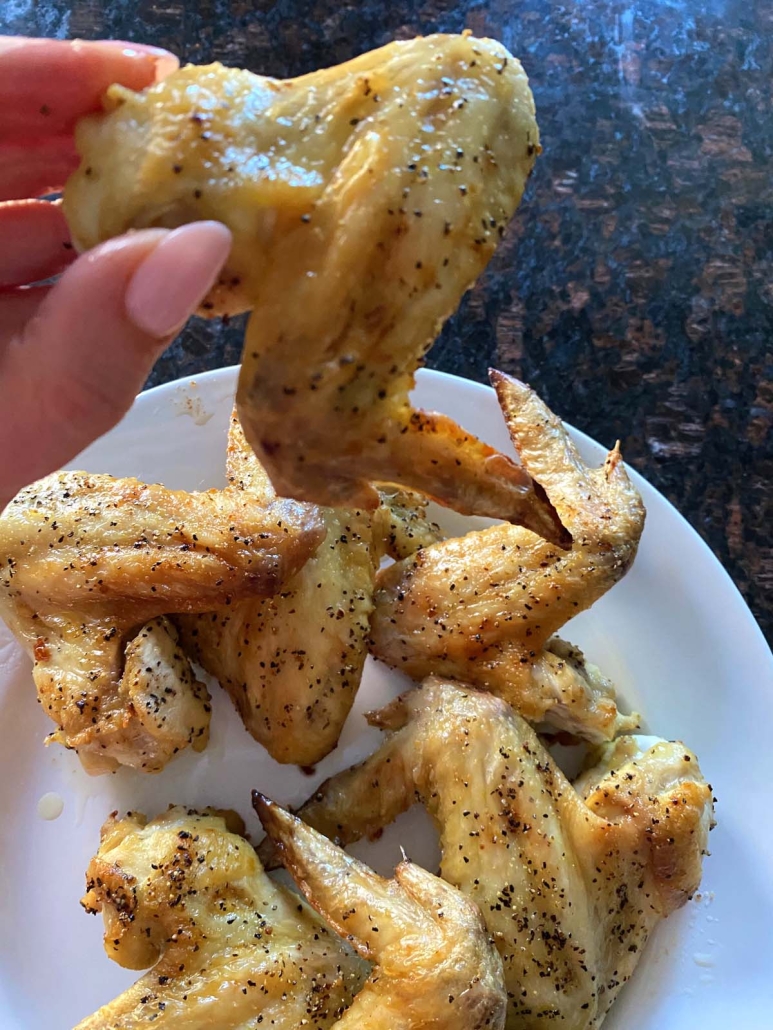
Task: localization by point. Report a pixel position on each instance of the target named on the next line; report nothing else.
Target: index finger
(46, 85)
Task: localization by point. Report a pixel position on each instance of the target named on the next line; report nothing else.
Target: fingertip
(137, 242)
(164, 61)
(165, 64)
(176, 276)
(48, 84)
(79, 361)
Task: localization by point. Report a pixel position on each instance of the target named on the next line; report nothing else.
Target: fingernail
(164, 61)
(176, 276)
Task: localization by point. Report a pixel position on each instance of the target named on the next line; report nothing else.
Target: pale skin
(74, 353)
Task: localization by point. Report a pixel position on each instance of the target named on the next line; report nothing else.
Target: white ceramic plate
(675, 636)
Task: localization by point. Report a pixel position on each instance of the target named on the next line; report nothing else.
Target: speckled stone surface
(634, 289)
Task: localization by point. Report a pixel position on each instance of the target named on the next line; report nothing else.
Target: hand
(73, 355)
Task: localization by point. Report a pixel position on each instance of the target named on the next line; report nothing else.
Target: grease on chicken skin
(91, 565)
(230, 949)
(435, 967)
(482, 608)
(570, 880)
(363, 200)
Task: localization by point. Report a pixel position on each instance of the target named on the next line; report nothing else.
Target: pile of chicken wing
(363, 200)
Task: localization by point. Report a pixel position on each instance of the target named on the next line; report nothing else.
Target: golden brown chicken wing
(292, 662)
(435, 965)
(570, 879)
(403, 524)
(230, 949)
(364, 200)
(482, 608)
(90, 565)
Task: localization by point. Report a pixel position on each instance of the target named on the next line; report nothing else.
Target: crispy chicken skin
(402, 523)
(292, 662)
(570, 880)
(435, 965)
(91, 566)
(230, 949)
(364, 200)
(482, 608)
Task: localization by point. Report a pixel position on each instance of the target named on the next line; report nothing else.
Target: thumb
(75, 369)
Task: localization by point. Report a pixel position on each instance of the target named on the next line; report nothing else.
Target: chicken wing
(482, 608)
(435, 965)
(364, 200)
(403, 524)
(230, 949)
(570, 880)
(91, 563)
(292, 663)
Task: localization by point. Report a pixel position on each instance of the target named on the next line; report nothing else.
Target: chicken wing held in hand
(230, 949)
(435, 966)
(292, 662)
(364, 200)
(571, 880)
(93, 563)
(483, 608)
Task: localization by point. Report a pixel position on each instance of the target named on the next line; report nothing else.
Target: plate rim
(214, 389)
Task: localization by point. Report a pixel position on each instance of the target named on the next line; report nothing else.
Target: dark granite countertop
(634, 289)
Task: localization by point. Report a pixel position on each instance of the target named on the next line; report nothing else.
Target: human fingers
(75, 369)
(45, 86)
(16, 309)
(36, 242)
(34, 167)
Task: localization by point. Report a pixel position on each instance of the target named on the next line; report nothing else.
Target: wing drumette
(185, 893)
(91, 563)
